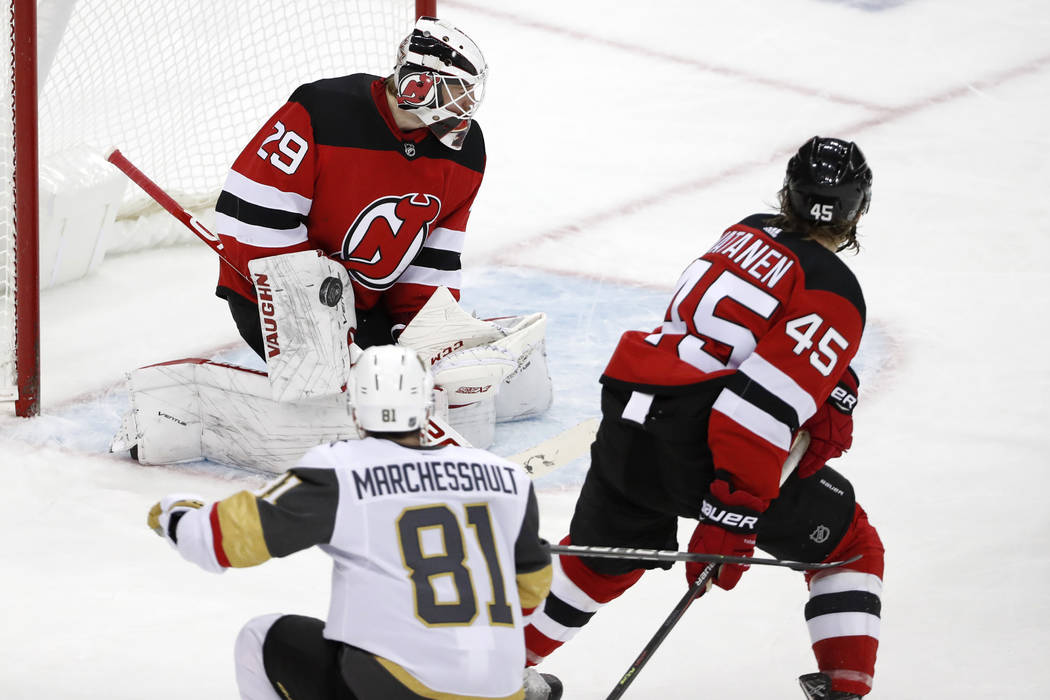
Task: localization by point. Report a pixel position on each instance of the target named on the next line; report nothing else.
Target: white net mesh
(179, 87)
(7, 212)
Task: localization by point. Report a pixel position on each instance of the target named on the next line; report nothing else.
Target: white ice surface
(623, 137)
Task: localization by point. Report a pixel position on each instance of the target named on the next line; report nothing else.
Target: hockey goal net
(179, 87)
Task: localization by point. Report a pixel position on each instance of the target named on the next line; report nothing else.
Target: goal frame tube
(26, 204)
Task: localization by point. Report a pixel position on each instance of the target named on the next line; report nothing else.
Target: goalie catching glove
(164, 516)
(728, 525)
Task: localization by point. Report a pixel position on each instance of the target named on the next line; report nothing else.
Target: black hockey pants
(644, 477)
(303, 665)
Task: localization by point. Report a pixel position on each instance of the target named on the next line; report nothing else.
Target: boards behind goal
(180, 87)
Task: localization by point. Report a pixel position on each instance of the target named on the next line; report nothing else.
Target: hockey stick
(668, 555)
(174, 208)
(575, 442)
(798, 449)
(440, 432)
(538, 460)
(556, 452)
(702, 582)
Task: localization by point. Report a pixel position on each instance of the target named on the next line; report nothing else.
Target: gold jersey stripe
(242, 533)
(412, 683)
(534, 586)
(153, 519)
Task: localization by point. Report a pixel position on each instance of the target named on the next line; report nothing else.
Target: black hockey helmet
(828, 181)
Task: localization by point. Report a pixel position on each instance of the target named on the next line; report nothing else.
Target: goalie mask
(440, 77)
(393, 392)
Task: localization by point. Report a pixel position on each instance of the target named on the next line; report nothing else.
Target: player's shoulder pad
(342, 112)
(323, 456)
(758, 221)
(825, 270)
(822, 268)
(472, 155)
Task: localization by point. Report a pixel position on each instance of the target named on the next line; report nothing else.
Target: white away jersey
(436, 551)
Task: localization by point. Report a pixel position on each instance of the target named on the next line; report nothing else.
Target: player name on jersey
(759, 259)
(417, 477)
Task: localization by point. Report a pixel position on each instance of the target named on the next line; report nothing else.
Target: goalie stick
(573, 443)
(170, 205)
(556, 452)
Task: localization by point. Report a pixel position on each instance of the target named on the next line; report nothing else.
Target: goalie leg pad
(527, 391)
(442, 328)
(191, 409)
(470, 379)
(475, 421)
(306, 308)
(473, 374)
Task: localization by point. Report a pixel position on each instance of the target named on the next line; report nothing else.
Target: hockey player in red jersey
(699, 414)
(378, 173)
(436, 556)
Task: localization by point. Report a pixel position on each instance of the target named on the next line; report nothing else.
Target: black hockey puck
(331, 291)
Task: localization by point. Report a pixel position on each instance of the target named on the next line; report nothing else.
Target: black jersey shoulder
(299, 510)
(343, 113)
(823, 269)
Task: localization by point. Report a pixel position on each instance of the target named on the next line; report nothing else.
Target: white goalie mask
(440, 77)
(392, 390)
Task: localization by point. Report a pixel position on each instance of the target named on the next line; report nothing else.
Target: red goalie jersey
(331, 171)
(765, 321)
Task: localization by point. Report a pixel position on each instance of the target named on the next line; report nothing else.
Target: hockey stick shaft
(670, 555)
(702, 581)
(798, 449)
(162, 198)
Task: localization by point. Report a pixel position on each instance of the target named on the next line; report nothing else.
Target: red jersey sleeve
(264, 204)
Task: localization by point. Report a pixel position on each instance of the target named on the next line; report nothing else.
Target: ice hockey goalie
(486, 371)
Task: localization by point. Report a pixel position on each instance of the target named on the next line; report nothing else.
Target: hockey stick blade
(556, 452)
(539, 460)
(668, 555)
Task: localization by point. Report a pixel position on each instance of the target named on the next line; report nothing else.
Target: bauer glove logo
(728, 519)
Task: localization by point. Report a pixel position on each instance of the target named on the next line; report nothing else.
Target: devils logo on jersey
(387, 236)
(417, 90)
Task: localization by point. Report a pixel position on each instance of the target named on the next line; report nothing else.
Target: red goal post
(179, 86)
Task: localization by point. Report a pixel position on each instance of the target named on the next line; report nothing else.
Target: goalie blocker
(186, 410)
